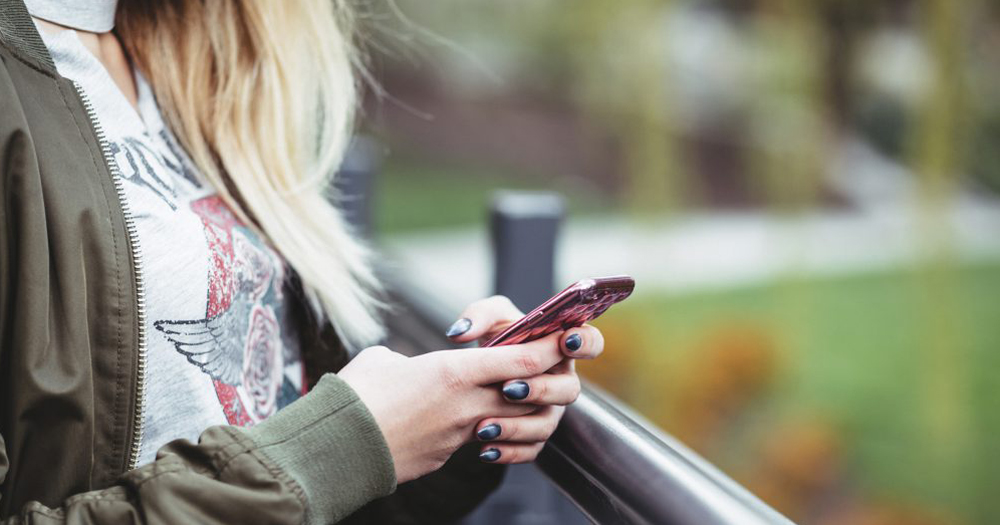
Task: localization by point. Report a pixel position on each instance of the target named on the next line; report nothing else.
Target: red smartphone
(579, 303)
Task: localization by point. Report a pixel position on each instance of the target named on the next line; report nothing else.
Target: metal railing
(618, 468)
(612, 464)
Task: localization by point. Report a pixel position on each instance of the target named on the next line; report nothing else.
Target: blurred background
(806, 192)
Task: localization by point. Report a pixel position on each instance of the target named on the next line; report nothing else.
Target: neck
(108, 50)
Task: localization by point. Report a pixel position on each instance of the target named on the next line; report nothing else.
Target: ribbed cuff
(329, 443)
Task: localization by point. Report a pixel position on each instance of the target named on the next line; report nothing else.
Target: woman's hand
(519, 438)
(428, 406)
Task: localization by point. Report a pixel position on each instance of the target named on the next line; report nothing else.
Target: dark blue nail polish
(490, 455)
(574, 342)
(517, 390)
(489, 432)
(459, 327)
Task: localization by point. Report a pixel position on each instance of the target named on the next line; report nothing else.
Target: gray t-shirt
(96, 16)
(219, 350)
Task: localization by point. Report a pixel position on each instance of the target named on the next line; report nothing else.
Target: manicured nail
(490, 455)
(517, 390)
(460, 327)
(574, 342)
(489, 432)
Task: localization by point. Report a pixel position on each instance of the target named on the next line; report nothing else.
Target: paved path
(886, 227)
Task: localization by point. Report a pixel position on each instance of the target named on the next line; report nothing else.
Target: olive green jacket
(72, 358)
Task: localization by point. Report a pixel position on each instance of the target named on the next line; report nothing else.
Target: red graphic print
(238, 342)
(219, 223)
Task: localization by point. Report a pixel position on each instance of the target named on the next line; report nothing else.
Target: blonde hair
(262, 94)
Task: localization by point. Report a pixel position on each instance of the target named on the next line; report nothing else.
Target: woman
(175, 288)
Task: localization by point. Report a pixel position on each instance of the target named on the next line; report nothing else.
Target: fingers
(584, 342)
(544, 389)
(517, 439)
(532, 428)
(483, 366)
(501, 408)
(508, 453)
(566, 366)
(483, 317)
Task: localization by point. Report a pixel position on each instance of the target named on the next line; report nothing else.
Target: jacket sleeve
(444, 496)
(316, 461)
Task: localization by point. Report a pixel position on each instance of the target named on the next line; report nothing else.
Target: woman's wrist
(329, 443)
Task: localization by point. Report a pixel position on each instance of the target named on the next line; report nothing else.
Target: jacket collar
(18, 31)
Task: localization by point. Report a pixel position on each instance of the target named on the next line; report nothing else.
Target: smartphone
(579, 303)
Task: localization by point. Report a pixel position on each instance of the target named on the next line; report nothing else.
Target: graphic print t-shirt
(218, 348)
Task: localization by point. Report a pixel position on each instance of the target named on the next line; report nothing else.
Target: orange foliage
(886, 514)
(799, 465)
(614, 369)
(726, 370)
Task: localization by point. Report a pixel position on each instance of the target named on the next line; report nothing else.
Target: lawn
(876, 392)
(879, 390)
(413, 195)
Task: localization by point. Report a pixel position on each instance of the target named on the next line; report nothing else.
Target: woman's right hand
(428, 406)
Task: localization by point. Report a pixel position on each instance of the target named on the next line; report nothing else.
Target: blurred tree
(937, 141)
(618, 57)
(789, 111)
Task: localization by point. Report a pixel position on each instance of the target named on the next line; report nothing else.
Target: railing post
(524, 228)
(354, 184)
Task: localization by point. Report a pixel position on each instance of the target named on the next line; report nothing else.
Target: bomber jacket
(72, 358)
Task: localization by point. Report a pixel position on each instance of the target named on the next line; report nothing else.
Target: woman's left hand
(520, 439)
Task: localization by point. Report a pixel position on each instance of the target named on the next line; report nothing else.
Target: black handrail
(645, 475)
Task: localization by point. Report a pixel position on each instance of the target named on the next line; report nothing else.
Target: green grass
(905, 365)
(417, 195)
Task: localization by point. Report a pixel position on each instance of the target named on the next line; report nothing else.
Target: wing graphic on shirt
(215, 345)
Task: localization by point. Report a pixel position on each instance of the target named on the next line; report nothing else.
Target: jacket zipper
(133, 242)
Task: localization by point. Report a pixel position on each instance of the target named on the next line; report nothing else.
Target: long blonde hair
(262, 95)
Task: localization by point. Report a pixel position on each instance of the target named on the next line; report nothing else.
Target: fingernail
(489, 432)
(459, 327)
(490, 455)
(517, 390)
(574, 342)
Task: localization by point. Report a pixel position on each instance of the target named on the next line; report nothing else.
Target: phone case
(579, 303)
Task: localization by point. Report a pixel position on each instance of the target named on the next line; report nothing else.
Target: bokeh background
(805, 191)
